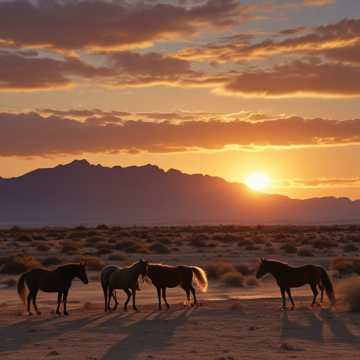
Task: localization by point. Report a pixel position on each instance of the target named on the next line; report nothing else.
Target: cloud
(44, 136)
(315, 41)
(298, 78)
(97, 24)
(28, 71)
(317, 183)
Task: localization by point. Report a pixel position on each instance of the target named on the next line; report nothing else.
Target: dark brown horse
(288, 277)
(165, 276)
(58, 280)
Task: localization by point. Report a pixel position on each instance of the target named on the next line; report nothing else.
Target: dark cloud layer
(56, 135)
(71, 25)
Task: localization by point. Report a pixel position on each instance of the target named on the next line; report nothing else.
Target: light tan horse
(125, 279)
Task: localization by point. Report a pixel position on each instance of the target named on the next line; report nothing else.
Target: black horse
(165, 276)
(291, 277)
(58, 280)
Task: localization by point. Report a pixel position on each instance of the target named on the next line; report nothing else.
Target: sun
(257, 181)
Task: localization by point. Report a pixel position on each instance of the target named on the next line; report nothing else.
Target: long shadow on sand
(312, 325)
(31, 330)
(311, 328)
(338, 328)
(151, 333)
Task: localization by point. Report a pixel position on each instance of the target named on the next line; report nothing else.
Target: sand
(229, 324)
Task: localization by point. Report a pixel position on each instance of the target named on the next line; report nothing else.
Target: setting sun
(257, 181)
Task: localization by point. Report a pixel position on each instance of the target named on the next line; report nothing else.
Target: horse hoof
(66, 313)
(38, 313)
(30, 313)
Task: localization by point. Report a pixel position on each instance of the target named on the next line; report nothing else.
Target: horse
(122, 278)
(288, 277)
(104, 279)
(166, 276)
(58, 280)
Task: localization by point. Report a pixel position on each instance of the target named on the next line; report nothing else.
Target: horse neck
(68, 272)
(276, 268)
(135, 270)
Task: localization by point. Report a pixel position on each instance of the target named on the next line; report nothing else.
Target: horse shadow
(32, 330)
(338, 328)
(311, 329)
(151, 333)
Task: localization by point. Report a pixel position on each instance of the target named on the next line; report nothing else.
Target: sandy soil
(229, 324)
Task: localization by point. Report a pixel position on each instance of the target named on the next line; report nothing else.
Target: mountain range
(82, 193)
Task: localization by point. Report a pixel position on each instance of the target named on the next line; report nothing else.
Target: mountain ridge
(83, 193)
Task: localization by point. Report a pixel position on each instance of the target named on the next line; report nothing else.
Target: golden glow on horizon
(257, 181)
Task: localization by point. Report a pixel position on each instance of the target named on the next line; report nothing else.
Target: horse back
(299, 276)
(169, 276)
(45, 280)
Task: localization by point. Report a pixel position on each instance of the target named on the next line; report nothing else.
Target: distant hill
(81, 193)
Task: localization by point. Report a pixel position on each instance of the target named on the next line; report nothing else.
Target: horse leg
(315, 293)
(133, 299)
(105, 290)
(29, 297)
(159, 296)
(58, 302)
(128, 293)
(187, 301)
(163, 291)
(110, 291)
(34, 302)
(321, 293)
(115, 299)
(290, 298)
(283, 298)
(193, 294)
(66, 292)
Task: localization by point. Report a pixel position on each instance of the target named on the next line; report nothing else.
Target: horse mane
(277, 261)
(161, 265)
(66, 266)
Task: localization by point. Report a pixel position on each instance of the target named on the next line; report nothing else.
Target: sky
(226, 88)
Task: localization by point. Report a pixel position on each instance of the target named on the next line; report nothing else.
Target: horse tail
(200, 278)
(329, 288)
(21, 288)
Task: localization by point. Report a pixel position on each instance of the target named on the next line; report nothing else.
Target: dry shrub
(305, 251)
(289, 248)
(244, 269)
(18, 264)
(92, 262)
(52, 261)
(233, 279)
(131, 246)
(70, 247)
(346, 266)
(350, 248)
(159, 248)
(24, 238)
(218, 269)
(351, 294)
(116, 257)
(251, 281)
(42, 247)
(199, 240)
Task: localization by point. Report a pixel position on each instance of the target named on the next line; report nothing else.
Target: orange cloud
(71, 25)
(29, 71)
(298, 78)
(44, 136)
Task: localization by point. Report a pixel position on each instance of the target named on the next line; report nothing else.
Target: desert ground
(238, 318)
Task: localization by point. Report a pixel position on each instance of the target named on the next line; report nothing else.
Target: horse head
(263, 268)
(82, 273)
(143, 268)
